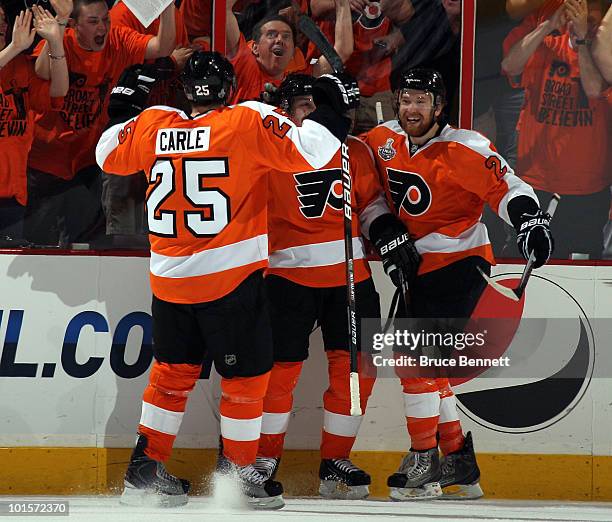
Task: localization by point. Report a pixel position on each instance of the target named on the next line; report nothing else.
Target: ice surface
(207, 509)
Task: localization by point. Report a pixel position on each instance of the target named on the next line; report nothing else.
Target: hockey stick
(516, 293)
(379, 113)
(314, 34)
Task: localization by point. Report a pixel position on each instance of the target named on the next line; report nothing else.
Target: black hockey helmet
(208, 77)
(294, 85)
(423, 79)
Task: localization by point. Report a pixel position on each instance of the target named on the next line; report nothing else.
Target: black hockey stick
(516, 293)
(314, 34)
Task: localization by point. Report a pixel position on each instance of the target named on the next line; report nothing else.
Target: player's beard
(420, 129)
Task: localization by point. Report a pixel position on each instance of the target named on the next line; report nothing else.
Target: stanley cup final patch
(386, 151)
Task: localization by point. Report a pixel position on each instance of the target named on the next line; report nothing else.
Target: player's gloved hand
(534, 235)
(339, 91)
(394, 246)
(129, 97)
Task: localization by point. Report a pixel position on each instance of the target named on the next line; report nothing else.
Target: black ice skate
(147, 483)
(418, 477)
(460, 473)
(267, 466)
(341, 479)
(261, 492)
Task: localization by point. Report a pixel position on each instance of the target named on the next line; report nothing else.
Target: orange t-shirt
(563, 134)
(163, 92)
(306, 219)
(365, 64)
(440, 189)
(251, 77)
(197, 17)
(65, 141)
(207, 194)
(22, 93)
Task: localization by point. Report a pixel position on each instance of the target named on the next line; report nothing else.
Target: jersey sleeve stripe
(313, 141)
(211, 261)
(376, 208)
(108, 142)
(516, 187)
(318, 254)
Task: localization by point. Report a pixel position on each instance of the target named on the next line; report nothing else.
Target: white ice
(204, 509)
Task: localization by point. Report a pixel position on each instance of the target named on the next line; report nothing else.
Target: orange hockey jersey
(207, 195)
(439, 190)
(306, 220)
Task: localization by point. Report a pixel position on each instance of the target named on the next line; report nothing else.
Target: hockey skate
(147, 483)
(341, 479)
(267, 466)
(418, 477)
(460, 473)
(260, 492)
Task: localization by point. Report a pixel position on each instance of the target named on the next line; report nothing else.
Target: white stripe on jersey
(343, 425)
(436, 243)
(316, 254)
(275, 423)
(241, 430)
(212, 260)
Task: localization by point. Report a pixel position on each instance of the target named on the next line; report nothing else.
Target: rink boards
(76, 346)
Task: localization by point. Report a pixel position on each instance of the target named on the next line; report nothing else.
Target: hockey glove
(394, 246)
(339, 91)
(129, 97)
(534, 236)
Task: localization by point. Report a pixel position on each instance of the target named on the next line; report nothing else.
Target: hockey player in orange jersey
(306, 285)
(439, 179)
(206, 206)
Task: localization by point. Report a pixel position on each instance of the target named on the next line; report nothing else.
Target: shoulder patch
(386, 151)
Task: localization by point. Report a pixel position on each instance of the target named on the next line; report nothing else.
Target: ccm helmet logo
(392, 245)
(123, 90)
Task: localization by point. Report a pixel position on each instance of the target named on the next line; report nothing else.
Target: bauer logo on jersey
(409, 191)
(182, 141)
(386, 151)
(318, 189)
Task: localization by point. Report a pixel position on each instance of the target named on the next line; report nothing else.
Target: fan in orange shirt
(563, 134)
(22, 93)
(65, 183)
(206, 204)
(273, 54)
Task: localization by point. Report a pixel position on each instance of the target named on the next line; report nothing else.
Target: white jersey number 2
(214, 206)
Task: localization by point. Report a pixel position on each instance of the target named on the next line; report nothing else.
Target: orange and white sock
(339, 427)
(449, 427)
(163, 405)
(277, 407)
(241, 411)
(422, 406)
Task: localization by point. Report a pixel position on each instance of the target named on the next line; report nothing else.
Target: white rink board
(47, 300)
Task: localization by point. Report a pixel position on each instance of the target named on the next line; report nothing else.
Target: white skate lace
(251, 475)
(415, 464)
(266, 465)
(345, 465)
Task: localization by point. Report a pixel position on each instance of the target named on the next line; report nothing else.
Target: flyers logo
(318, 189)
(409, 192)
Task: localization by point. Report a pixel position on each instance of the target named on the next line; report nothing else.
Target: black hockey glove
(129, 97)
(532, 227)
(534, 236)
(394, 246)
(339, 91)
